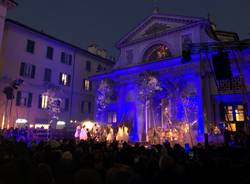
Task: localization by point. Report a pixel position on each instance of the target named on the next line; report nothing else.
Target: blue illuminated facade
(189, 90)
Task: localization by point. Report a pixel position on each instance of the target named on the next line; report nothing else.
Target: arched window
(156, 52)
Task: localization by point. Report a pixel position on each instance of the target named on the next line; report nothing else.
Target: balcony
(233, 85)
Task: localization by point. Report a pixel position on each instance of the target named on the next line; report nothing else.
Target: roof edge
(139, 25)
(105, 60)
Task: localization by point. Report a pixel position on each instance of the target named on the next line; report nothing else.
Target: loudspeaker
(222, 66)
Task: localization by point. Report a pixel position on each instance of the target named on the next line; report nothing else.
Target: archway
(156, 52)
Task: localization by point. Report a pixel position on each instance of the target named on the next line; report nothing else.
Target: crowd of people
(98, 162)
(25, 133)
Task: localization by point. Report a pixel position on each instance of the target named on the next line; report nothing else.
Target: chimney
(93, 48)
(102, 53)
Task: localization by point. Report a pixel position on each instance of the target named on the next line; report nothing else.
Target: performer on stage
(119, 135)
(77, 132)
(110, 135)
(125, 134)
(83, 134)
(122, 134)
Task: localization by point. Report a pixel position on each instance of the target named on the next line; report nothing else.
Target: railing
(233, 85)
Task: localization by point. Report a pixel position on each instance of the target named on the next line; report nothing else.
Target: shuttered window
(66, 58)
(50, 52)
(47, 75)
(30, 47)
(24, 99)
(27, 70)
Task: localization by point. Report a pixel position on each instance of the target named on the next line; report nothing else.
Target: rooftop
(87, 53)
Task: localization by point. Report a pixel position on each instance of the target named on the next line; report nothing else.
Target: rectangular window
(234, 113)
(23, 99)
(112, 117)
(64, 79)
(47, 75)
(239, 112)
(50, 52)
(66, 58)
(66, 104)
(43, 101)
(82, 106)
(186, 40)
(88, 66)
(229, 113)
(27, 70)
(87, 85)
(30, 47)
(89, 107)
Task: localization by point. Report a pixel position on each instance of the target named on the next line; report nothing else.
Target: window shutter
(22, 69)
(83, 84)
(18, 98)
(33, 71)
(89, 107)
(60, 78)
(69, 80)
(66, 108)
(90, 85)
(63, 57)
(30, 100)
(40, 102)
(70, 59)
(50, 52)
(49, 75)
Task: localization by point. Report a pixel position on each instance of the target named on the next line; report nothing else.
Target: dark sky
(104, 22)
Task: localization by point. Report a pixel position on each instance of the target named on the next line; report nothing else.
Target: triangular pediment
(156, 25)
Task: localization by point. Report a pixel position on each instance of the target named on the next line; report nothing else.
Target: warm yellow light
(44, 101)
(229, 113)
(231, 127)
(3, 120)
(239, 112)
(64, 79)
(114, 119)
(88, 124)
(87, 85)
(45, 126)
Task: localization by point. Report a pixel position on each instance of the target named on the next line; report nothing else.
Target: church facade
(160, 82)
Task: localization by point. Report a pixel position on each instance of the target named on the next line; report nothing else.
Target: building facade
(159, 80)
(45, 65)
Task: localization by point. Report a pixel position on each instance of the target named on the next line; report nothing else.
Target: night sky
(104, 22)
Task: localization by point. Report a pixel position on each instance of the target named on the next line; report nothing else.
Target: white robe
(77, 133)
(83, 134)
(110, 135)
(120, 134)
